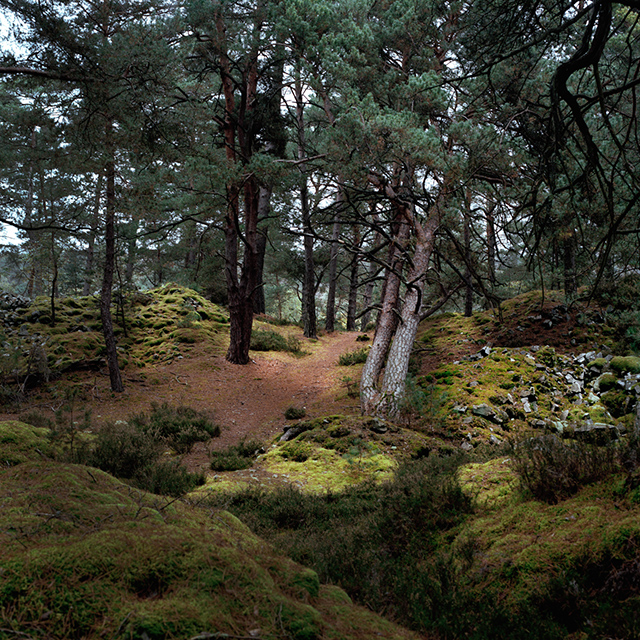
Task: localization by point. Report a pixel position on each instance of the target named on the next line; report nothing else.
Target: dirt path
(246, 401)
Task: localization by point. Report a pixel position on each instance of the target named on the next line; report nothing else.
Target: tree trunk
(569, 264)
(242, 286)
(353, 283)
(491, 244)
(395, 374)
(330, 322)
(468, 298)
(367, 297)
(387, 322)
(91, 240)
(309, 321)
(264, 208)
(109, 267)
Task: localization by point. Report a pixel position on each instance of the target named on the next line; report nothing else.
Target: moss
(100, 559)
(607, 381)
(308, 581)
(329, 470)
(625, 364)
(20, 442)
(617, 402)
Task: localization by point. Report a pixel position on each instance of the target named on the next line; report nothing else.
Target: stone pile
(602, 391)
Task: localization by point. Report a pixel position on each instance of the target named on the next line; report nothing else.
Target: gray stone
(575, 388)
(466, 446)
(497, 416)
(526, 406)
(493, 439)
(596, 432)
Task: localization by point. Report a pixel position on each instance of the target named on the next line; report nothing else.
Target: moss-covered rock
(625, 364)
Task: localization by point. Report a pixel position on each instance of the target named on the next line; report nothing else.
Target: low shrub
(551, 469)
(127, 452)
(295, 413)
(353, 357)
(377, 541)
(123, 450)
(273, 341)
(178, 427)
(168, 479)
(235, 457)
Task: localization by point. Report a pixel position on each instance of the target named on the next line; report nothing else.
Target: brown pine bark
(395, 374)
(353, 282)
(387, 322)
(91, 240)
(330, 322)
(107, 277)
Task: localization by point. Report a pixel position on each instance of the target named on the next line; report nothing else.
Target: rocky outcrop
(593, 396)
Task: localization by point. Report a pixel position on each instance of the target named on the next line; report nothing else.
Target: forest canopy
(329, 162)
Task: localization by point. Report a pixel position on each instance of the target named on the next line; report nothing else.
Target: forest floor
(247, 402)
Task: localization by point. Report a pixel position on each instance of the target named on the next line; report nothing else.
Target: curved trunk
(395, 374)
(387, 323)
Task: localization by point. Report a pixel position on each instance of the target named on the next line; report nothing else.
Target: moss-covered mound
(84, 555)
(152, 327)
(328, 454)
(549, 571)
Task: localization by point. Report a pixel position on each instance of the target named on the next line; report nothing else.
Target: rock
(482, 410)
(11, 302)
(538, 424)
(596, 432)
(493, 439)
(575, 388)
(466, 446)
(497, 416)
(526, 406)
(292, 431)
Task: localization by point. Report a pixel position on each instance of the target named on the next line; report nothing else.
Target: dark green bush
(168, 479)
(295, 413)
(551, 469)
(239, 456)
(273, 341)
(178, 427)
(123, 450)
(126, 452)
(353, 357)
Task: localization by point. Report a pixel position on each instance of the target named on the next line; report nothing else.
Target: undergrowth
(235, 457)
(551, 469)
(262, 340)
(377, 541)
(179, 427)
(358, 356)
(127, 452)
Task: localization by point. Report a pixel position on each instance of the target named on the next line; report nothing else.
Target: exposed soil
(246, 401)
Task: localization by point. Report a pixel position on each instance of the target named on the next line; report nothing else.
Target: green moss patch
(173, 318)
(20, 442)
